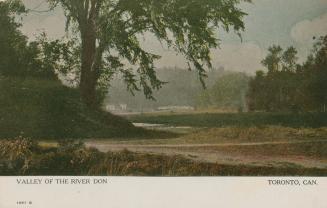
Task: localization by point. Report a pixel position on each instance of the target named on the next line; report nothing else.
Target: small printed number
(24, 202)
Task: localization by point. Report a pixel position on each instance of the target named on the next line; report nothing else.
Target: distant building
(110, 108)
(116, 108)
(123, 107)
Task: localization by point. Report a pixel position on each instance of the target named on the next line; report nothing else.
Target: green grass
(43, 109)
(312, 120)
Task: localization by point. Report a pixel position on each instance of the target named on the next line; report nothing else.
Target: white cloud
(304, 31)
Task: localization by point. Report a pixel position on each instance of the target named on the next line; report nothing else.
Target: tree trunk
(88, 80)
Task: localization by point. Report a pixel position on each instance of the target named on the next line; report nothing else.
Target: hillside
(44, 109)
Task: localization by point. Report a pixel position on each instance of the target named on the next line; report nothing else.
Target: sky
(282, 22)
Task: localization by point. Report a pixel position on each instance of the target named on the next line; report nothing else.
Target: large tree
(109, 33)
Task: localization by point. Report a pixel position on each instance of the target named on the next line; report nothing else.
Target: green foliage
(317, 87)
(288, 86)
(109, 33)
(273, 59)
(59, 56)
(228, 91)
(17, 56)
(289, 59)
(12, 42)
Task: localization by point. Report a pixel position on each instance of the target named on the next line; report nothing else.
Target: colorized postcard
(163, 88)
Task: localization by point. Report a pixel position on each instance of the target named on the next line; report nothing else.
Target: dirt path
(110, 144)
(221, 153)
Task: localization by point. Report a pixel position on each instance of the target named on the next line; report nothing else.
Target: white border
(142, 192)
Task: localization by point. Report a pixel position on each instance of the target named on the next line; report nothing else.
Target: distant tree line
(182, 88)
(289, 86)
(227, 92)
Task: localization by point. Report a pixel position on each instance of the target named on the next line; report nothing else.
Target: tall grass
(25, 157)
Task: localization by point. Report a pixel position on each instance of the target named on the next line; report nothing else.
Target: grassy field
(313, 120)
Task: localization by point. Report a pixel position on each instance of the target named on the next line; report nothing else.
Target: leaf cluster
(187, 26)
